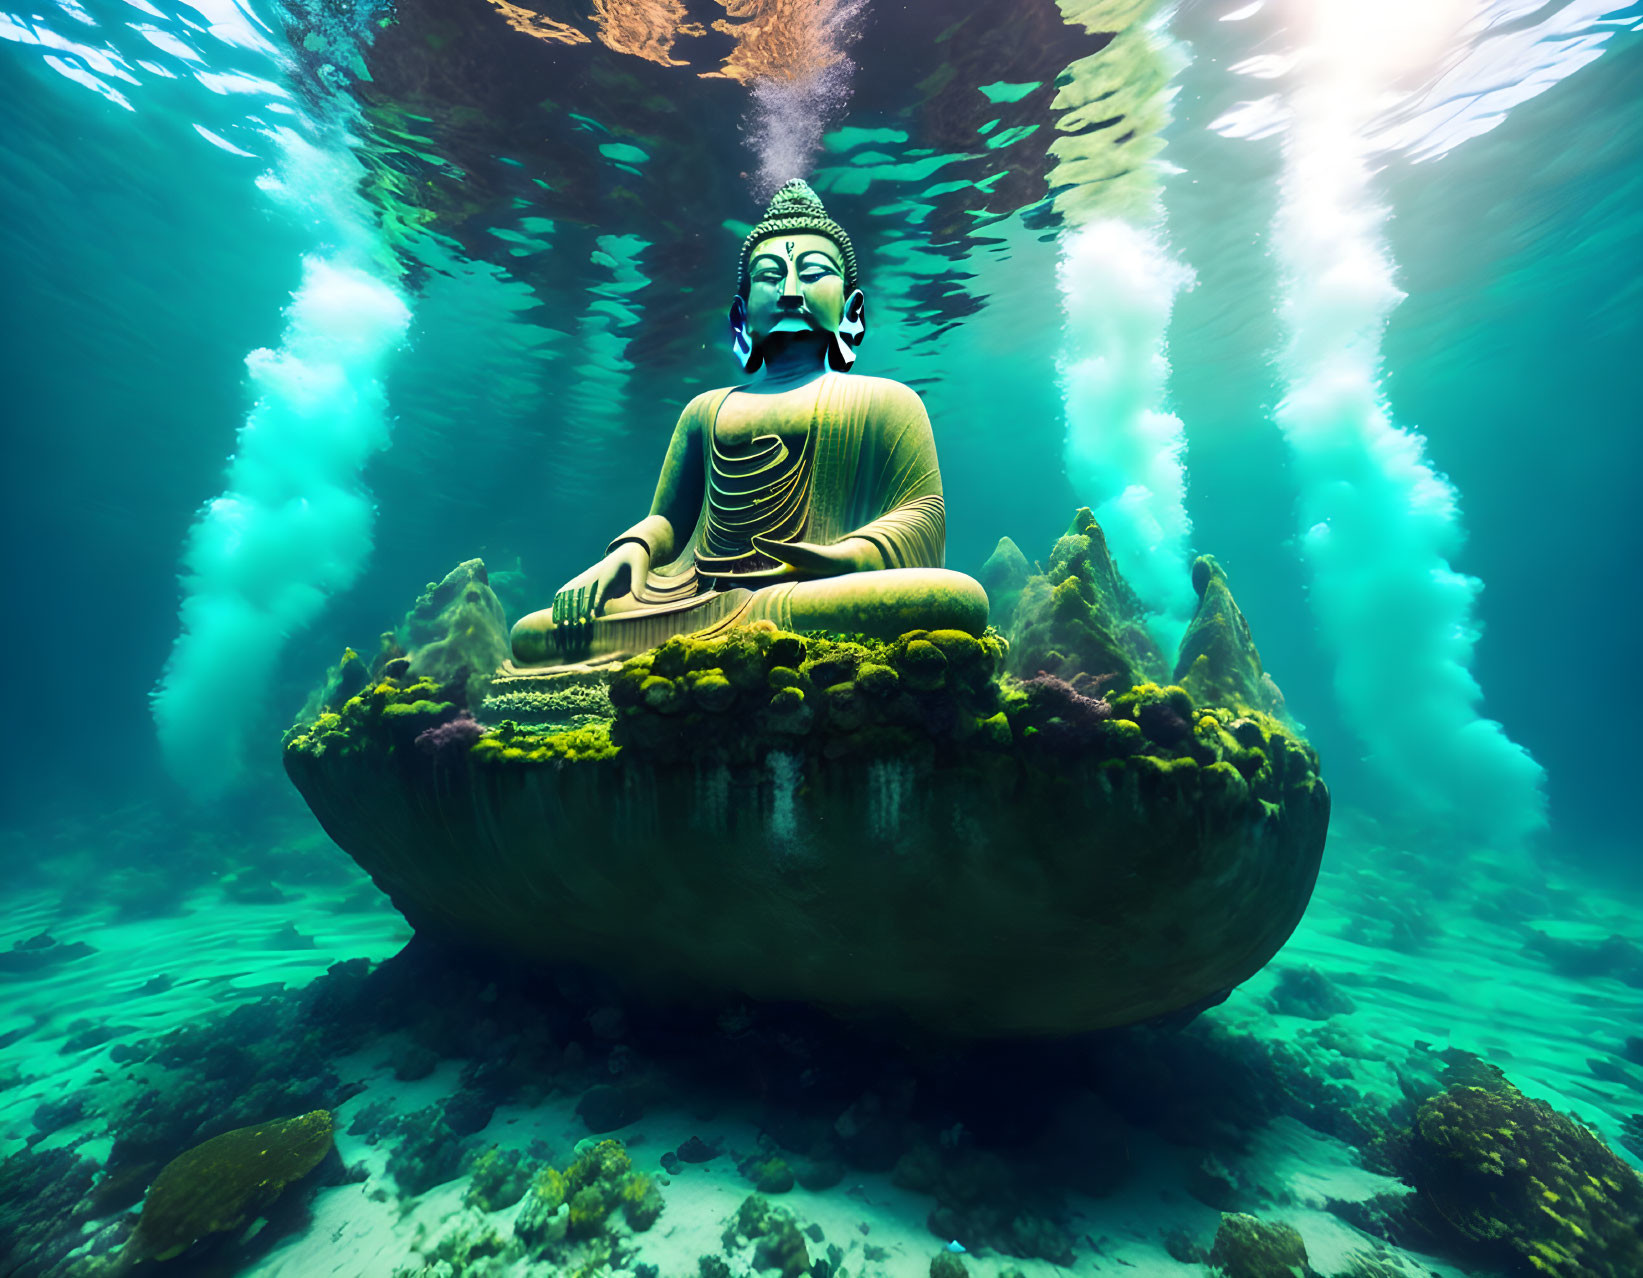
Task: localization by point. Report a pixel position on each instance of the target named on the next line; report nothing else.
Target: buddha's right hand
(584, 596)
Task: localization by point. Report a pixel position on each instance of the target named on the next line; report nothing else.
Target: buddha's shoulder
(706, 399)
(883, 393)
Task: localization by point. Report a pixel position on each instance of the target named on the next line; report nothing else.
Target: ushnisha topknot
(797, 209)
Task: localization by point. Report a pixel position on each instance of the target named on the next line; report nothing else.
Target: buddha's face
(795, 285)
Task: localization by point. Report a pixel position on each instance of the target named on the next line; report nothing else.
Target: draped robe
(866, 468)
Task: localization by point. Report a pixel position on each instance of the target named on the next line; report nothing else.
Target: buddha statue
(808, 496)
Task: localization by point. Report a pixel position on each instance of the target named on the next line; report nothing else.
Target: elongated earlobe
(741, 344)
(841, 354)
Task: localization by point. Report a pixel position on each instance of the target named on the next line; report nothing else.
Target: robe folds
(867, 468)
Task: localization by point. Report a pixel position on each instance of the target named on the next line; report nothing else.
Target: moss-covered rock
(1218, 663)
(1081, 617)
(1511, 1180)
(457, 632)
(1087, 847)
(1003, 576)
(1248, 1247)
(221, 1185)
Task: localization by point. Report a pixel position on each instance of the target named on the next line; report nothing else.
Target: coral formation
(454, 736)
(983, 1199)
(778, 1242)
(576, 1206)
(770, 1175)
(500, 1179)
(429, 1152)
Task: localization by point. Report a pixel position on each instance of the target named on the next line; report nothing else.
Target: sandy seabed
(1411, 948)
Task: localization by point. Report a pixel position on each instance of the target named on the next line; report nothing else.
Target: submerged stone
(1218, 662)
(1081, 617)
(221, 1185)
(878, 827)
(1248, 1247)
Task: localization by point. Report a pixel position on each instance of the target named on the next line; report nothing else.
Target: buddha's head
(798, 275)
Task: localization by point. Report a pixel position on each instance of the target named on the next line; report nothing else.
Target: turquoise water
(1351, 304)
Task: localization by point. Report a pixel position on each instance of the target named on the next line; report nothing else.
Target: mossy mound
(1249, 1247)
(757, 689)
(1517, 1184)
(221, 1185)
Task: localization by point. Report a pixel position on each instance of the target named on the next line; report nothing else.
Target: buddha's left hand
(809, 559)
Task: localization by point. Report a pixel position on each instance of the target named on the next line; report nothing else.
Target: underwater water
(309, 303)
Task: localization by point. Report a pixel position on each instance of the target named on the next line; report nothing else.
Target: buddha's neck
(791, 362)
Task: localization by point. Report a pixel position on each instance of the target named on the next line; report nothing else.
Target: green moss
(421, 709)
(220, 1185)
(1131, 703)
(878, 680)
(710, 690)
(661, 694)
(512, 744)
(923, 665)
(928, 697)
(835, 663)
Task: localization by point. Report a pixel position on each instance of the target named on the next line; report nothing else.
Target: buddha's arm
(678, 501)
(900, 483)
